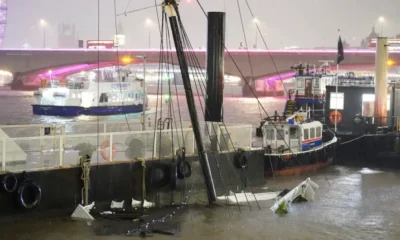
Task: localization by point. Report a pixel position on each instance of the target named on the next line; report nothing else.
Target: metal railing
(63, 150)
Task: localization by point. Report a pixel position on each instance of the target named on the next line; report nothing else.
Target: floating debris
(303, 191)
(245, 197)
(82, 212)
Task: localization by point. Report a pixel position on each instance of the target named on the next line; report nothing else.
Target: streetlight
(255, 21)
(43, 24)
(381, 21)
(149, 24)
(144, 91)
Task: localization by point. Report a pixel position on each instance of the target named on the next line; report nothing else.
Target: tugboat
(74, 98)
(297, 144)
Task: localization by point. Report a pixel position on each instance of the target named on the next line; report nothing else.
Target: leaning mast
(171, 7)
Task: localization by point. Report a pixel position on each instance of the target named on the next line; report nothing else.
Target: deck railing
(63, 149)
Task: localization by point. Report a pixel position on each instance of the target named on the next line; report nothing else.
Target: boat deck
(40, 146)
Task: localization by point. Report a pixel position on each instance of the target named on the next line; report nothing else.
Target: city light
(255, 20)
(43, 23)
(390, 62)
(126, 60)
(381, 19)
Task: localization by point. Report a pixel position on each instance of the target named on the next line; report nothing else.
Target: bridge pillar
(247, 88)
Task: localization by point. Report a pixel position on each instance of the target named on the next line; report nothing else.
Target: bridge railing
(49, 152)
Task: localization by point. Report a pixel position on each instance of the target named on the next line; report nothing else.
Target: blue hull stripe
(69, 111)
(310, 145)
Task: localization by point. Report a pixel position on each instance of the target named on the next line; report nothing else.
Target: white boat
(73, 98)
(297, 144)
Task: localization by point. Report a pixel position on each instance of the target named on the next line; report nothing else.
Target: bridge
(241, 63)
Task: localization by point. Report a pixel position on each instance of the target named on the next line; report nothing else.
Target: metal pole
(171, 6)
(144, 94)
(149, 38)
(44, 36)
(337, 82)
(255, 44)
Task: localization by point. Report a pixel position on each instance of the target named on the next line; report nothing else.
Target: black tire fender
(240, 159)
(184, 169)
(153, 180)
(9, 183)
(29, 194)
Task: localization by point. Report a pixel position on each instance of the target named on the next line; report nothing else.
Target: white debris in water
(369, 171)
(304, 190)
(146, 204)
(115, 204)
(245, 197)
(82, 212)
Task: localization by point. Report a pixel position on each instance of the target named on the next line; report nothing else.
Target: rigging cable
(119, 70)
(98, 98)
(187, 45)
(197, 66)
(266, 47)
(248, 85)
(247, 48)
(125, 13)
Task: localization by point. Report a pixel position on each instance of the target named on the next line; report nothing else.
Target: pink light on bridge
(233, 51)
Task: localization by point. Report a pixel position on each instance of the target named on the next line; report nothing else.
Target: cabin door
(294, 138)
(308, 87)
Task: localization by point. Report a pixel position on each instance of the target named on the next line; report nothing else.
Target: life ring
(9, 183)
(240, 159)
(184, 169)
(335, 117)
(105, 145)
(29, 194)
(158, 175)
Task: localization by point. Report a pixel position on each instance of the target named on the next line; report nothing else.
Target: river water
(352, 202)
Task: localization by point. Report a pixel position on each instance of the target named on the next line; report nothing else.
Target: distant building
(365, 42)
(66, 36)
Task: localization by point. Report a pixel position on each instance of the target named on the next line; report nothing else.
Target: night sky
(307, 23)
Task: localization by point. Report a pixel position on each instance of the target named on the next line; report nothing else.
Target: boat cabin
(291, 136)
(352, 109)
(309, 87)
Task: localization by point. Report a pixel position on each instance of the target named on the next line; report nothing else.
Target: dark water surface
(351, 203)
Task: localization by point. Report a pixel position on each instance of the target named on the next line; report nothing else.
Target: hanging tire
(184, 169)
(9, 183)
(29, 194)
(158, 176)
(240, 159)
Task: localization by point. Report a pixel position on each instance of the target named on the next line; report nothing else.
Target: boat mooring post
(381, 73)
(215, 75)
(170, 7)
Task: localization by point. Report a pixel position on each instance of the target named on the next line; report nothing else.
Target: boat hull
(70, 111)
(300, 162)
(123, 181)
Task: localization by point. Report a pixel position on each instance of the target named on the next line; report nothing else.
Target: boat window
(280, 134)
(316, 82)
(318, 133)
(270, 134)
(305, 134)
(312, 133)
(293, 133)
(368, 104)
(337, 100)
(103, 97)
(300, 83)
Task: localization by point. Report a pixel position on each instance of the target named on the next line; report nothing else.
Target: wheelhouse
(292, 136)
